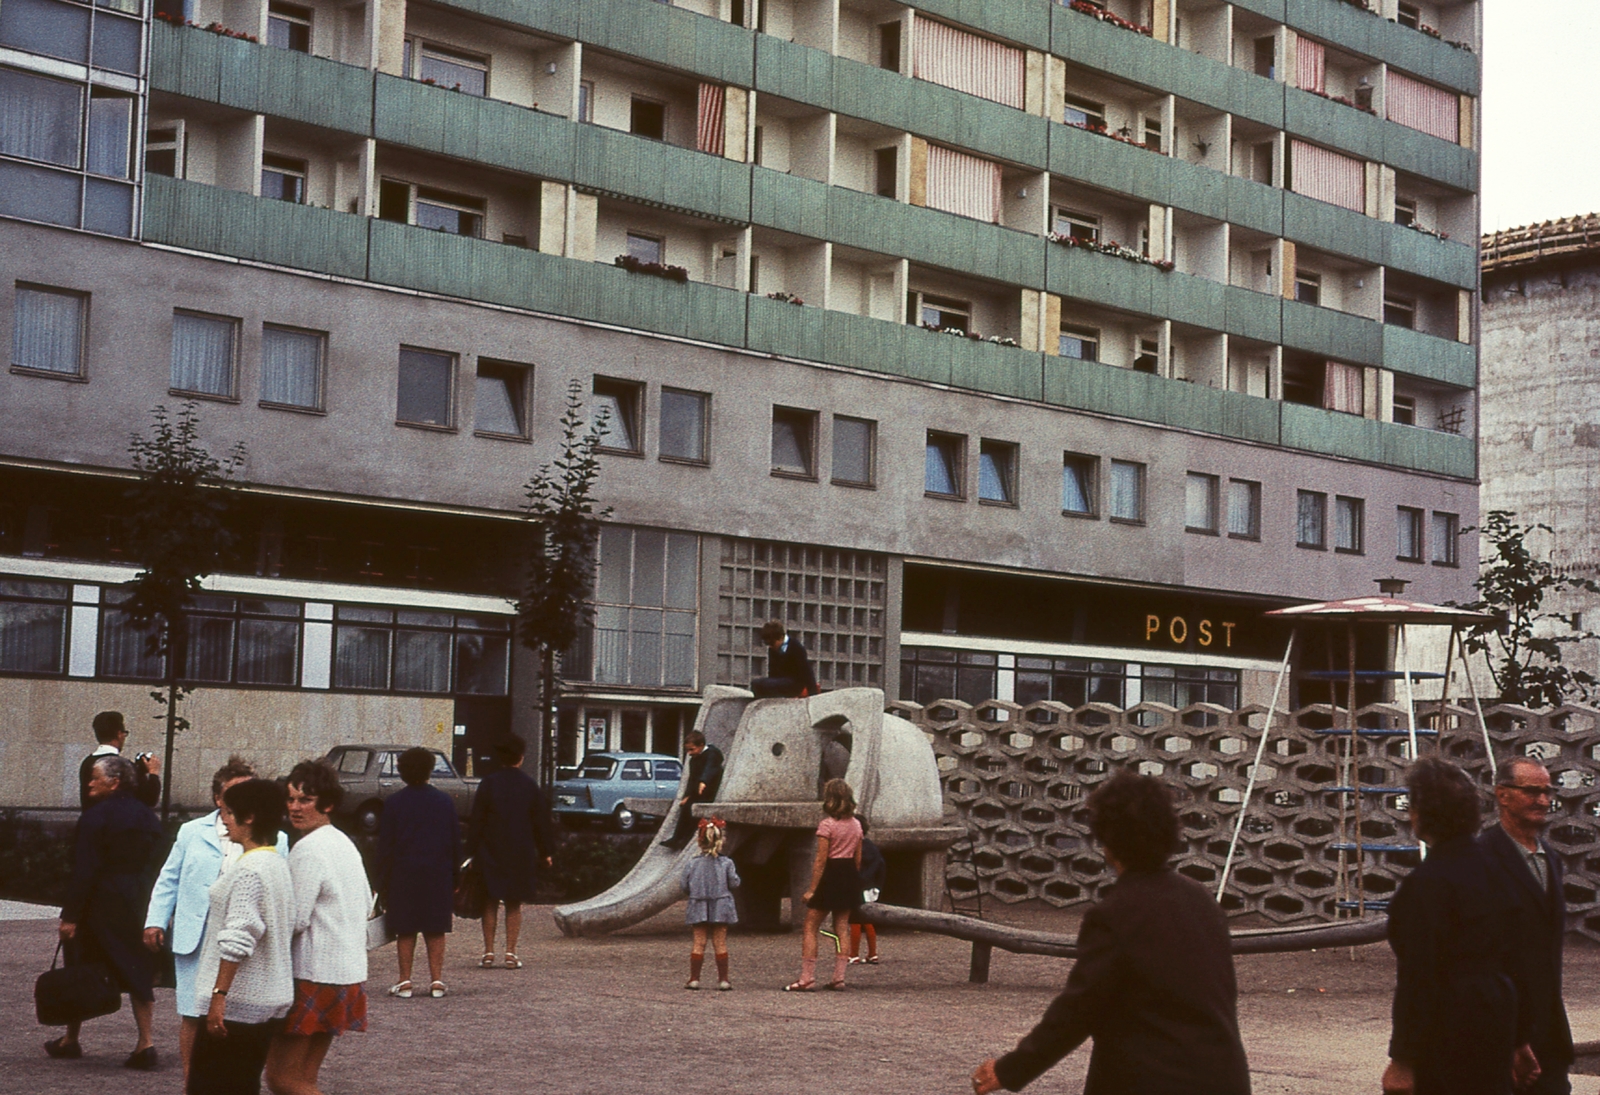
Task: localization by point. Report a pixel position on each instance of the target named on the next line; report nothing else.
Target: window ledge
(1252, 538)
(1087, 515)
(1349, 551)
(1408, 559)
(495, 435)
(801, 476)
(295, 408)
(210, 397)
(999, 503)
(943, 497)
(1136, 521)
(1442, 563)
(49, 374)
(637, 454)
(1201, 531)
(431, 427)
(684, 460)
(853, 484)
(1312, 547)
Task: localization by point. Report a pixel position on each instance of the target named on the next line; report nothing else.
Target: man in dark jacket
(1153, 984)
(705, 776)
(1532, 871)
(112, 734)
(788, 668)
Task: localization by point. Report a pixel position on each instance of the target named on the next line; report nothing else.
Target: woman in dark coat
(419, 850)
(115, 849)
(1457, 1029)
(509, 837)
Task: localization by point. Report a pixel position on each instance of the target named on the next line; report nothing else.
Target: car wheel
(368, 816)
(625, 820)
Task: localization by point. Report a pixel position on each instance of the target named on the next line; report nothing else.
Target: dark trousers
(231, 1065)
(687, 824)
(766, 688)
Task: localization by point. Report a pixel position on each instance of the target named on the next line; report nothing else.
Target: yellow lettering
(1179, 630)
(1152, 624)
(1227, 632)
(1205, 632)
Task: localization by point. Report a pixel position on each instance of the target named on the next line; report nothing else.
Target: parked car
(371, 773)
(604, 780)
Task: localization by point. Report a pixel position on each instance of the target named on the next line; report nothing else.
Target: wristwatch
(219, 992)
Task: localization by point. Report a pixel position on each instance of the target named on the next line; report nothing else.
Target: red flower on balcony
(654, 269)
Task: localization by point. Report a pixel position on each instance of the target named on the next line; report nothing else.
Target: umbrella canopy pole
(1411, 706)
(1355, 763)
(1483, 726)
(1261, 749)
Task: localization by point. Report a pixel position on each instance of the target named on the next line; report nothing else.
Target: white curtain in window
(940, 469)
(1125, 499)
(422, 661)
(291, 366)
(124, 648)
(40, 118)
(110, 127)
(32, 637)
(361, 657)
(1422, 106)
(1342, 388)
(962, 184)
(1328, 176)
(710, 133)
(1075, 488)
(979, 66)
(1311, 64)
(202, 354)
(48, 331)
(210, 649)
(267, 651)
(610, 645)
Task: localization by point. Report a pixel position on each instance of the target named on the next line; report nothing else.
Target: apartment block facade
(1014, 350)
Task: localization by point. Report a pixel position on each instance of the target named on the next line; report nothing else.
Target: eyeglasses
(1531, 790)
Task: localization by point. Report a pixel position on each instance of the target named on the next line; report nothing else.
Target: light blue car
(604, 780)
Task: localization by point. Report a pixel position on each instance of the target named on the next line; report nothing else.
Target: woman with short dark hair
(509, 836)
(1153, 984)
(419, 850)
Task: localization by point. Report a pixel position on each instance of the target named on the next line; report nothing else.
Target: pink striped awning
(1422, 106)
(962, 184)
(1311, 66)
(1342, 387)
(979, 66)
(1328, 176)
(709, 135)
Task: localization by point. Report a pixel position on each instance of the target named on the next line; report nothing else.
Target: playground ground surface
(610, 1016)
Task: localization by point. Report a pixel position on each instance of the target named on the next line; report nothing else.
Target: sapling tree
(556, 602)
(1523, 648)
(177, 532)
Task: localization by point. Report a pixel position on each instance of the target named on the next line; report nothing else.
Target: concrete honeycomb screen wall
(1017, 778)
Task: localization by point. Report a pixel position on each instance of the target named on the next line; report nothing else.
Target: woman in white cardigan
(244, 983)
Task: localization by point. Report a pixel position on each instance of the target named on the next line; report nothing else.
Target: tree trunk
(177, 654)
(547, 722)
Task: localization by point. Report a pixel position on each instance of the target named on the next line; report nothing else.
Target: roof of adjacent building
(1548, 241)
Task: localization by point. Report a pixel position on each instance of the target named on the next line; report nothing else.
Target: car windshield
(353, 762)
(441, 766)
(668, 769)
(598, 768)
(636, 769)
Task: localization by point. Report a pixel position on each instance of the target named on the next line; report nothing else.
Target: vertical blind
(1422, 106)
(710, 133)
(48, 331)
(1311, 64)
(40, 118)
(1328, 176)
(202, 354)
(962, 184)
(966, 62)
(1341, 388)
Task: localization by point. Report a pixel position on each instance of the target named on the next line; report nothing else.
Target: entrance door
(480, 722)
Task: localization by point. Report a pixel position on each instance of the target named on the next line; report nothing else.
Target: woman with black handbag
(102, 918)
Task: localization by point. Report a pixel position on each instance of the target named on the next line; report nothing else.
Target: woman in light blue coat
(181, 899)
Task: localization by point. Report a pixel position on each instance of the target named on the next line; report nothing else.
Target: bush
(591, 863)
(34, 863)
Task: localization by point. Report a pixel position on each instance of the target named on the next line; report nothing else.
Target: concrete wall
(47, 734)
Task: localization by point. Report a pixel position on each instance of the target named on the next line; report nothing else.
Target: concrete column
(552, 218)
(1055, 88)
(1285, 258)
(583, 218)
(917, 162)
(391, 36)
(1036, 83)
(367, 179)
(316, 657)
(85, 634)
(893, 590)
(736, 116)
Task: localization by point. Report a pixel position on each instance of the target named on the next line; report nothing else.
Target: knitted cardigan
(332, 902)
(251, 922)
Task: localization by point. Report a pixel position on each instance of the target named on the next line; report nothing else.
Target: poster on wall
(597, 733)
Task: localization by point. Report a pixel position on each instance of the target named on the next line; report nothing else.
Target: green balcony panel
(1428, 256)
(1254, 205)
(1420, 154)
(1429, 450)
(468, 127)
(1326, 226)
(670, 36)
(1333, 334)
(1249, 314)
(1185, 298)
(1336, 125)
(840, 338)
(1091, 386)
(793, 203)
(1371, 36)
(185, 61)
(617, 162)
(1269, 9)
(1107, 280)
(1111, 164)
(556, 17)
(1025, 22)
(225, 222)
(794, 72)
(1418, 354)
(1332, 433)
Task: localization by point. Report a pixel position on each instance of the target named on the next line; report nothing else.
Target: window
(646, 596)
(646, 248)
(1149, 359)
(684, 417)
(1409, 15)
(620, 402)
(1244, 509)
(887, 163)
(440, 210)
(447, 68)
(33, 626)
(1310, 519)
(944, 471)
(244, 641)
(1127, 491)
(1085, 113)
(416, 650)
(427, 388)
(291, 367)
(1405, 211)
(941, 313)
(1081, 343)
(1080, 226)
(854, 444)
(289, 27)
(40, 118)
(500, 401)
(1266, 56)
(124, 645)
(1348, 516)
(47, 330)
(1307, 287)
(1446, 535)
(1200, 503)
(1408, 534)
(1399, 311)
(203, 353)
(1078, 483)
(889, 46)
(997, 472)
(586, 101)
(163, 151)
(110, 133)
(1152, 134)
(283, 178)
(648, 119)
(1404, 410)
(793, 442)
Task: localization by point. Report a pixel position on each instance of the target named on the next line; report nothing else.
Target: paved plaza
(611, 1016)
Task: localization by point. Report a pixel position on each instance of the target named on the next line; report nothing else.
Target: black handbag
(471, 895)
(73, 994)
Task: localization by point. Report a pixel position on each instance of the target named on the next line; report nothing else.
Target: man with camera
(112, 735)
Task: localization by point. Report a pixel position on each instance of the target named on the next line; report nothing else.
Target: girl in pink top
(835, 882)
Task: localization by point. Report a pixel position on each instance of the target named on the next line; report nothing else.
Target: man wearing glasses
(1531, 870)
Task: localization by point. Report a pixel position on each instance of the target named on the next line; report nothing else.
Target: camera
(142, 758)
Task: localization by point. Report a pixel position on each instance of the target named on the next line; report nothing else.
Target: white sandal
(437, 990)
(512, 961)
(401, 989)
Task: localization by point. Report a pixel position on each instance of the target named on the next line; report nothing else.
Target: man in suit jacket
(112, 734)
(704, 777)
(788, 668)
(1154, 983)
(1532, 871)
